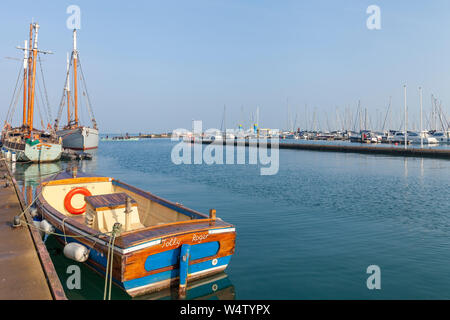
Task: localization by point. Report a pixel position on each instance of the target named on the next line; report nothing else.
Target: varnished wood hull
(148, 260)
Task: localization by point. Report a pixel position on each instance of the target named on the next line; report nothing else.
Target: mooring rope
(37, 196)
(110, 260)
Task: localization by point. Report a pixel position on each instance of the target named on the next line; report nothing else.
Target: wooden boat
(74, 135)
(162, 243)
(26, 142)
(33, 145)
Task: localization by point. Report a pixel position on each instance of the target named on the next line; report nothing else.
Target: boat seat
(104, 210)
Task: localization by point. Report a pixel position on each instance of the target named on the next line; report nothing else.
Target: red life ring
(68, 200)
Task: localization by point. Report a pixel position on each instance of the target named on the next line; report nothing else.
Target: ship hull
(81, 138)
(41, 152)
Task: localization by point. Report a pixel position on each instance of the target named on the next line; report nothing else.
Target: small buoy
(46, 227)
(76, 251)
(16, 222)
(13, 157)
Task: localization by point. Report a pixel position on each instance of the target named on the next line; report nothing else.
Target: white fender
(76, 251)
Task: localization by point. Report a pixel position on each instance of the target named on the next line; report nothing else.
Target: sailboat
(74, 135)
(25, 142)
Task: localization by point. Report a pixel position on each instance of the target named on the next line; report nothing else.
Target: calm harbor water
(308, 232)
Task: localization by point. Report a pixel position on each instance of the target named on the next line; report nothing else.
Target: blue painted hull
(155, 282)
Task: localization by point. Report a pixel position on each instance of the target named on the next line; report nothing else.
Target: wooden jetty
(364, 149)
(26, 269)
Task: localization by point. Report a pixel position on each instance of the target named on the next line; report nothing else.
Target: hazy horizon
(155, 66)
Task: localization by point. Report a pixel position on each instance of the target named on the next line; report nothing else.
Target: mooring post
(184, 269)
(127, 213)
(74, 172)
(212, 216)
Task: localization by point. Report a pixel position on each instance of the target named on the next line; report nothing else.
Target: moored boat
(413, 138)
(79, 138)
(26, 142)
(155, 243)
(74, 135)
(36, 146)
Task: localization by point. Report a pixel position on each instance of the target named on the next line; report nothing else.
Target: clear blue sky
(156, 65)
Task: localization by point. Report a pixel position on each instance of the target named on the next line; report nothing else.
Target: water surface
(310, 231)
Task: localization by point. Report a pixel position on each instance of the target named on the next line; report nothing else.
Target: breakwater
(391, 151)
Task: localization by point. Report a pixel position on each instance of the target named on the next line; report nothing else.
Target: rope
(37, 196)
(45, 89)
(14, 94)
(40, 113)
(89, 105)
(64, 230)
(111, 270)
(110, 260)
(62, 235)
(107, 267)
(62, 102)
(13, 109)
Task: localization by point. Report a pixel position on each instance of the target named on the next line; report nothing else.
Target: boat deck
(22, 275)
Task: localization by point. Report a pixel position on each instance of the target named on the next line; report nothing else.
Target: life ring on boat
(68, 200)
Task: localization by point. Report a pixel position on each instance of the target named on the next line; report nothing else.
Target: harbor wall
(391, 151)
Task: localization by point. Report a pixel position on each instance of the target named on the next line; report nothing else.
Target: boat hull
(41, 152)
(81, 138)
(149, 259)
(154, 282)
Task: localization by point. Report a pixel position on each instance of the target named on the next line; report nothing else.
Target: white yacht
(414, 138)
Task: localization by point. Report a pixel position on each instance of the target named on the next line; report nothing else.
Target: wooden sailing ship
(160, 243)
(76, 136)
(26, 142)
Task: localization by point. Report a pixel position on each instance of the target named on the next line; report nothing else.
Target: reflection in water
(406, 167)
(31, 174)
(90, 164)
(217, 287)
(422, 171)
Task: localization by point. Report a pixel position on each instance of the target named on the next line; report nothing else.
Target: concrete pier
(391, 151)
(26, 270)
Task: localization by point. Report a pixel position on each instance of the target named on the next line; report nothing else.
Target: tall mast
(68, 89)
(406, 120)
(25, 64)
(36, 32)
(75, 92)
(30, 47)
(421, 118)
